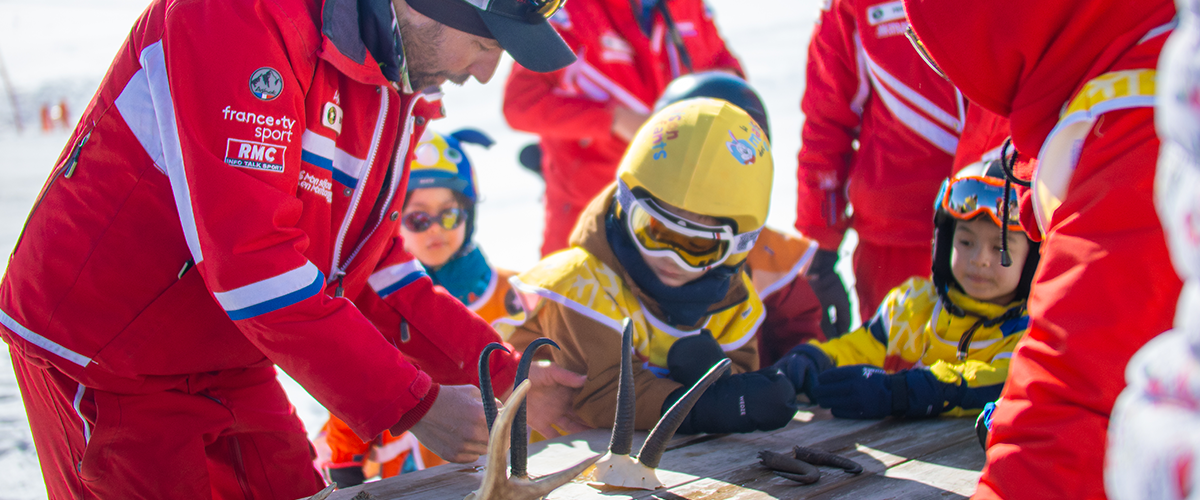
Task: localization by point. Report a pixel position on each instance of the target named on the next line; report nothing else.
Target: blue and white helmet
(439, 161)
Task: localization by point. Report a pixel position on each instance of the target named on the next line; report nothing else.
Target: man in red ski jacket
(586, 114)
(1076, 81)
(229, 201)
(865, 84)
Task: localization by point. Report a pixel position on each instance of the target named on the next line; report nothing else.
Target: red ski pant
(1105, 286)
(880, 268)
(560, 220)
(226, 435)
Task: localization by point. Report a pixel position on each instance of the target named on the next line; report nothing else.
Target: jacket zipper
(336, 269)
(397, 172)
(239, 466)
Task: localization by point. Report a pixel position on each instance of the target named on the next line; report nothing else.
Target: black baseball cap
(520, 26)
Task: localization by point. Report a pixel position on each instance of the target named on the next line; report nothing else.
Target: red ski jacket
(230, 199)
(618, 65)
(1077, 82)
(865, 83)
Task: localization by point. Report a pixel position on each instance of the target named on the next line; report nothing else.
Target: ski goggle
(917, 44)
(419, 222)
(694, 246)
(968, 197)
(547, 8)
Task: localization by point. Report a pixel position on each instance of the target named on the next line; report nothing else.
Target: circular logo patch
(266, 83)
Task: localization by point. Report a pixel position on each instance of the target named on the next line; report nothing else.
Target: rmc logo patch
(256, 155)
(266, 83)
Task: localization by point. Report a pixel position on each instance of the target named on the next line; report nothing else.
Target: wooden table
(937, 458)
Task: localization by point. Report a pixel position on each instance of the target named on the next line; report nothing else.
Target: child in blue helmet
(437, 224)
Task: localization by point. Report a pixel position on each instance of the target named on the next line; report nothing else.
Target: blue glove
(857, 391)
(864, 391)
(801, 366)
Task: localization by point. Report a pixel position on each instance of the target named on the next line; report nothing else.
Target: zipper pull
(339, 291)
(73, 160)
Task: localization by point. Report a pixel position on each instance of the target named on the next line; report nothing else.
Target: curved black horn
(519, 451)
(656, 443)
(485, 382)
(622, 434)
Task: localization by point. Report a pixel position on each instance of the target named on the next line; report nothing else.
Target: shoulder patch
(266, 83)
(884, 12)
(331, 117)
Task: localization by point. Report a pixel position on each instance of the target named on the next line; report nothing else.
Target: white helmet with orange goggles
(703, 157)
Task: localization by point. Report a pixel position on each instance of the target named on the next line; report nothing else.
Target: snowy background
(57, 51)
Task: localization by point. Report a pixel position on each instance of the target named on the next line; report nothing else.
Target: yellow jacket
(579, 297)
(912, 329)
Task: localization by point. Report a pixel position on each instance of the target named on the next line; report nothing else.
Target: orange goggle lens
(969, 197)
(655, 235)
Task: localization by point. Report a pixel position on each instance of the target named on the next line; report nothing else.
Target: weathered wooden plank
(878, 448)
(715, 467)
(950, 473)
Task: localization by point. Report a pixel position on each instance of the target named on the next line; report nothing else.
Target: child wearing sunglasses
(942, 346)
(437, 223)
(665, 247)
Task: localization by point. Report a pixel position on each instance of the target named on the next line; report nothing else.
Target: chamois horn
(519, 451)
(485, 382)
(656, 443)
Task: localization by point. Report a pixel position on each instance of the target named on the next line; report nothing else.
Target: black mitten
(756, 401)
(690, 358)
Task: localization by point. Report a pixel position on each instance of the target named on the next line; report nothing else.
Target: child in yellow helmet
(665, 246)
(939, 347)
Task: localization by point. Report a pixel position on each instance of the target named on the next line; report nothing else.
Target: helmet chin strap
(1009, 178)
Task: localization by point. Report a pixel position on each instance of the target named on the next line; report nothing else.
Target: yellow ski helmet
(708, 157)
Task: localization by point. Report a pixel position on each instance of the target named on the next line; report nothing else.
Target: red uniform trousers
(880, 268)
(1105, 247)
(224, 435)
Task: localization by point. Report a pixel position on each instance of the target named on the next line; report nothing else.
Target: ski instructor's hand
(454, 428)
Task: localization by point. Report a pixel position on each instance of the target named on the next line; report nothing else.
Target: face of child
(433, 246)
(667, 271)
(975, 260)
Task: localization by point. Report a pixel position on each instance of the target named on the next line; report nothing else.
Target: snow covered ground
(57, 50)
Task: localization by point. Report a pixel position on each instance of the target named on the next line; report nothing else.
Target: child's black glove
(830, 290)
(689, 358)
(801, 366)
(756, 401)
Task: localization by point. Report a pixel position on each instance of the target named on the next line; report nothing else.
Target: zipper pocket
(67, 170)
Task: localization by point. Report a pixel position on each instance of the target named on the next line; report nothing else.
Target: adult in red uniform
(1076, 81)
(865, 84)
(228, 201)
(586, 114)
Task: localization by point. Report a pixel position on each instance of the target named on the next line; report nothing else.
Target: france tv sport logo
(266, 83)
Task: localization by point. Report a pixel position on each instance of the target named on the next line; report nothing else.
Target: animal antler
(618, 468)
(497, 485)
